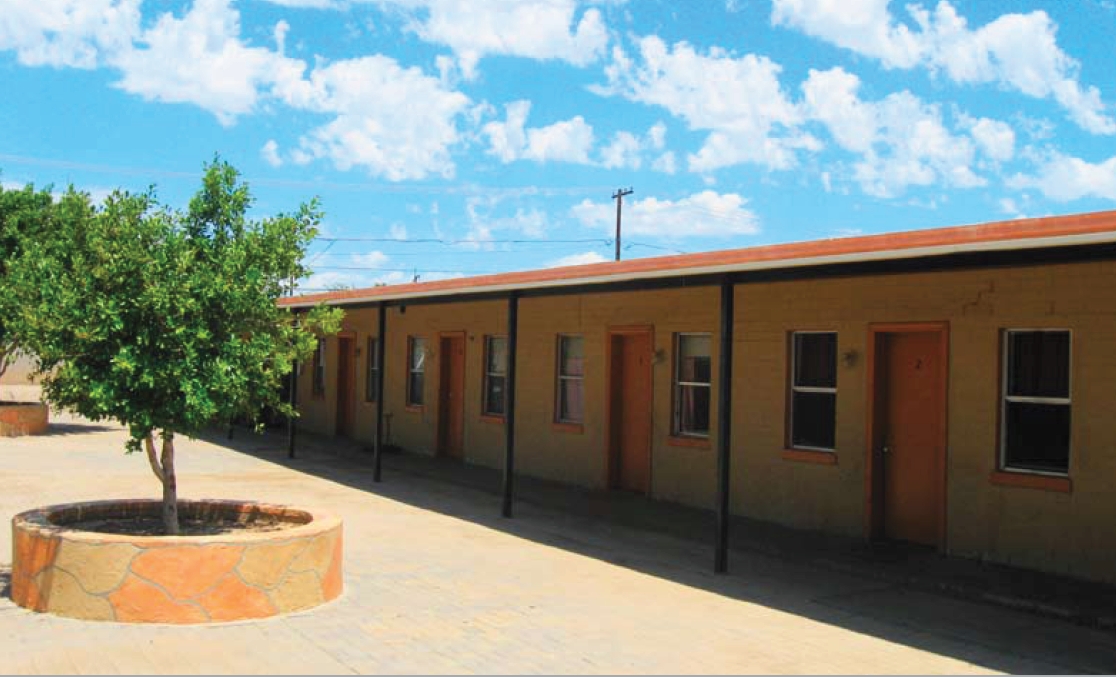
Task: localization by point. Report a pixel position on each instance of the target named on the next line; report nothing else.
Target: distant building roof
(1056, 231)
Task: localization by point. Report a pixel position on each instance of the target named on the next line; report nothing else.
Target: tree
(24, 215)
(166, 320)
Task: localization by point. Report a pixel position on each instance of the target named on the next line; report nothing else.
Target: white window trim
(1005, 398)
(808, 389)
(489, 374)
(676, 426)
(564, 377)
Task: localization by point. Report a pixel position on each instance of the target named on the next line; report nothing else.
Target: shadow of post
(808, 574)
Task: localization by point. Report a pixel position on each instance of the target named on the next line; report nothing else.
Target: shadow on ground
(899, 597)
(5, 580)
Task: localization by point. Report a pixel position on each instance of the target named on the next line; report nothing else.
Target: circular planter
(174, 579)
(23, 418)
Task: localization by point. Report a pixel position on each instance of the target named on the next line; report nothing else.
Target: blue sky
(489, 135)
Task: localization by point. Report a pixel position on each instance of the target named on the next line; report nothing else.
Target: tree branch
(149, 444)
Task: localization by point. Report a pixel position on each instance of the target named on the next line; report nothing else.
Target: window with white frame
(693, 373)
(1036, 403)
(495, 375)
(416, 370)
(571, 376)
(373, 369)
(813, 386)
(319, 368)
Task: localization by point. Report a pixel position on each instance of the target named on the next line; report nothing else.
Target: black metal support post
(292, 422)
(378, 445)
(509, 404)
(724, 426)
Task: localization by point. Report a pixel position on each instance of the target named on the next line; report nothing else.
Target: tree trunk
(170, 486)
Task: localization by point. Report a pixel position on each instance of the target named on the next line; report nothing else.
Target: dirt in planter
(153, 526)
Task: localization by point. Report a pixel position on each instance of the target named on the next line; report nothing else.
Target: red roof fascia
(987, 233)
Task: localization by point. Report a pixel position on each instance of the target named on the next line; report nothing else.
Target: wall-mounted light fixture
(850, 357)
(659, 356)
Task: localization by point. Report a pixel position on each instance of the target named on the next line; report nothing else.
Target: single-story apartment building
(954, 387)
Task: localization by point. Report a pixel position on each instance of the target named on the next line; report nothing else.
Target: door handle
(886, 449)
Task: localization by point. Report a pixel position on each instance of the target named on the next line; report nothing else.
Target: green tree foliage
(24, 215)
(166, 320)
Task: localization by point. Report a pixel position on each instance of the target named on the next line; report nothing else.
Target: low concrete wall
(17, 420)
(173, 579)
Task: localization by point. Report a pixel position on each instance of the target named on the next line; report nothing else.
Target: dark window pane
(494, 396)
(570, 401)
(815, 360)
(572, 358)
(1038, 363)
(1037, 437)
(415, 388)
(694, 364)
(497, 355)
(418, 354)
(693, 410)
(815, 417)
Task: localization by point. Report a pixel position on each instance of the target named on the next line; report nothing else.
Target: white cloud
(565, 141)
(995, 138)
(864, 26)
(70, 33)
(626, 149)
(704, 214)
(703, 89)
(622, 151)
(1017, 51)
(200, 59)
(1064, 178)
(280, 34)
(665, 163)
(581, 259)
(270, 153)
(901, 140)
(373, 259)
(398, 231)
(535, 29)
(377, 126)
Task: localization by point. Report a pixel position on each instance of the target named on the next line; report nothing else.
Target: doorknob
(886, 449)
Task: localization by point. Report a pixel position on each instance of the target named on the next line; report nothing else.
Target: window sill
(577, 428)
(415, 408)
(1007, 478)
(692, 442)
(492, 418)
(810, 456)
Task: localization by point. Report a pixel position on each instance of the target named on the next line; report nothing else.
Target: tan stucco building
(952, 387)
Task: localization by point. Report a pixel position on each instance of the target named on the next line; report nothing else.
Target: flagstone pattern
(174, 579)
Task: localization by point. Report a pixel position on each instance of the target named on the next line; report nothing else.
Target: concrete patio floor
(437, 582)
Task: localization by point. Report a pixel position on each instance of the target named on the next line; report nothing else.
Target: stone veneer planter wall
(17, 420)
(174, 579)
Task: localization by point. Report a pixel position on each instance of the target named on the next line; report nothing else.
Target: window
(693, 371)
(813, 396)
(373, 370)
(1035, 419)
(416, 370)
(495, 375)
(571, 375)
(319, 368)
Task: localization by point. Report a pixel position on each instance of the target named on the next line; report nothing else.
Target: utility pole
(619, 197)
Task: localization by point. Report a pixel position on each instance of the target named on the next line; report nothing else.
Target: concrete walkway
(437, 582)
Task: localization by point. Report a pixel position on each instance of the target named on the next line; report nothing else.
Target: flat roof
(1037, 233)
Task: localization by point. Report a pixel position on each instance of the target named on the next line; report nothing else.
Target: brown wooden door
(630, 411)
(345, 385)
(451, 397)
(911, 435)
